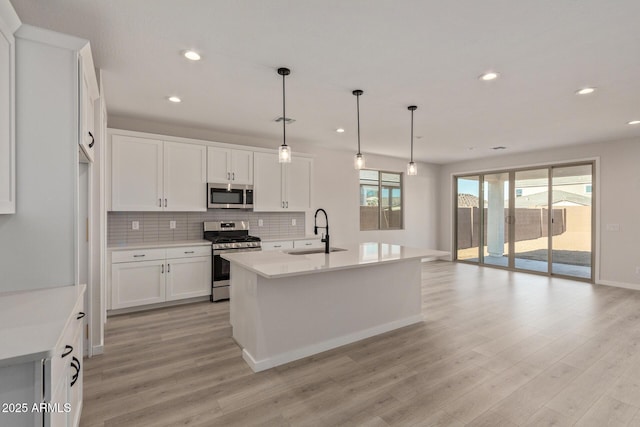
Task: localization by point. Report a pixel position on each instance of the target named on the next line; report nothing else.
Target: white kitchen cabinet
(308, 243)
(41, 361)
(188, 277)
(154, 175)
(185, 177)
(137, 283)
(282, 187)
(229, 165)
(280, 245)
(151, 276)
(89, 94)
(7, 120)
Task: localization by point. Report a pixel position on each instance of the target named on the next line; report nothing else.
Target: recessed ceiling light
(491, 75)
(190, 54)
(586, 91)
(634, 122)
(174, 99)
(340, 130)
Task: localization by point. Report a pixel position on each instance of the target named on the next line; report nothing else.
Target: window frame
(379, 206)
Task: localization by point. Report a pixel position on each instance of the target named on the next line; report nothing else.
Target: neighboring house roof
(467, 201)
(559, 198)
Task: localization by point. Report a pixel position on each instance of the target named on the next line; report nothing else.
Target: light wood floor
(496, 348)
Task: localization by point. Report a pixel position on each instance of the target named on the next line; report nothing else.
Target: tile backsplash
(154, 226)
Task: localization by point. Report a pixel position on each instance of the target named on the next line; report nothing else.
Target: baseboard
(97, 349)
(634, 286)
(135, 309)
(300, 353)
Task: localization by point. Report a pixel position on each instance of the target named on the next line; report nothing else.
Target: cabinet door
(137, 283)
(7, 121)
(188, 277)
(267, 174)
(185, 177)
(218, 164)
(88, 96)
(136, 174)
(242, 167)
(298, 184)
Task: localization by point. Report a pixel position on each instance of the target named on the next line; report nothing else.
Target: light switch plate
(293, 221)
(260, 223)
(135, 225)
(172, 225)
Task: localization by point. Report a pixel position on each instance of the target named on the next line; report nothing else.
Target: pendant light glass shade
(358, 160)
(284, 153)
(412, 169)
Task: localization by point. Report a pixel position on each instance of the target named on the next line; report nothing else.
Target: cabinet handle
(168, 268)
(228, 176)
(308, 244)
(162, 271)
(282, 205)
(188, 252)
(138, 256)
(81, 314)
(67, 351)
(277, 246)
(165, 203)
(75, 364)
(160, 202)
(287, 203)
(233, 176)
(93, 141)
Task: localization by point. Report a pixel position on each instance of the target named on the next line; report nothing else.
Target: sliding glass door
(538, 220)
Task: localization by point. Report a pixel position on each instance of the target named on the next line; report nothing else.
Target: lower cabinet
(150, 276)
(291, 244)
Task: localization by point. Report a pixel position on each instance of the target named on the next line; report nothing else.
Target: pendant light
(358, 160)
(284, 152)
(412, 169)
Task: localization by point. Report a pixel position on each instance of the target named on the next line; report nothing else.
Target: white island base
(282, 318)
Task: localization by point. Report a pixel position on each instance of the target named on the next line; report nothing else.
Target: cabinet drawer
(277, 246)
(307, 243)
(189, 251)
(137, 255)
(60, 364)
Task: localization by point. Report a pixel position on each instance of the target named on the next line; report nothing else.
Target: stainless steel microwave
(229, 196)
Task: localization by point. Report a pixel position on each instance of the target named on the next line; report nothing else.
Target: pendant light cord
(412, 136)
(358, 109)
(284, 116)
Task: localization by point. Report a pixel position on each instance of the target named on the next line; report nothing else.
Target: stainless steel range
(226, 237)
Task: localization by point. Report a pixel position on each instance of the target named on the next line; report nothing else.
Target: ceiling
(427, 53)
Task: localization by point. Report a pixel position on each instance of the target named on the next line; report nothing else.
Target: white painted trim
(97, 350)
(134, 309)
(112, 131)
(290, 356)
(52, 38)
(9, 15)
(633, 286)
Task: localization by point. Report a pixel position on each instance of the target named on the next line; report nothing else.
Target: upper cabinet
(282, 187)
(89, 94)
(229, 165)
(154, 175)
(7, 120)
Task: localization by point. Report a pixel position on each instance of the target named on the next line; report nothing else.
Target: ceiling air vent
(499, 147)
(287, 120)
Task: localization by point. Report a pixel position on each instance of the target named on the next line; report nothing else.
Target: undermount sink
(314, 251)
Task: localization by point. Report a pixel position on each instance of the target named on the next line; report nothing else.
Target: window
(588, 188)
(380, 200)
(518, 192)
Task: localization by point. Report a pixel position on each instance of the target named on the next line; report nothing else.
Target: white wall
(337, 186)
(618, 197)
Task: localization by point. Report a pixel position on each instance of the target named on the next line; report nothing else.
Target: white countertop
(31, 322)
(275, 264)
(159, 245)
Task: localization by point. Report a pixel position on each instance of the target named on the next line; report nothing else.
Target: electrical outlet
(293, 221)
(260, 223)
(135, 225)
(172, 225)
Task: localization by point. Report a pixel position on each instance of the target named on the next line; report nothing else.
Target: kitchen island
(286, 305)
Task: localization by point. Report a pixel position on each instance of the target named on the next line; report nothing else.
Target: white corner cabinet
(7, 119)
(156, 275)
(229, 165)
(41, 360)
(154, 175)
(282, 187)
